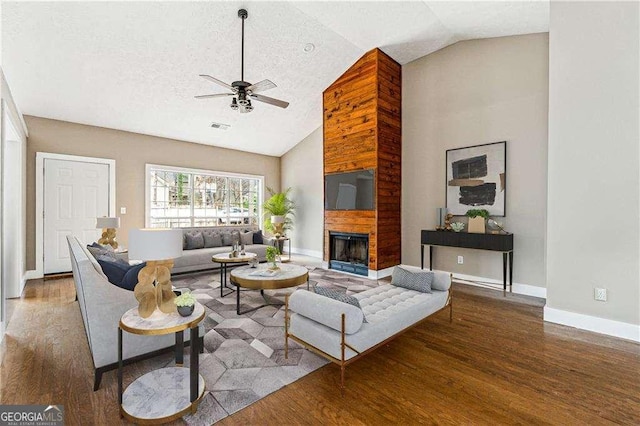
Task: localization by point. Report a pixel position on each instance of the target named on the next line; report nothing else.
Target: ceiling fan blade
(217, 95)
(261, 86)
(271, 101)
(215, 80)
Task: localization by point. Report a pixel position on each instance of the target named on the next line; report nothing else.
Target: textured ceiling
(134, 65)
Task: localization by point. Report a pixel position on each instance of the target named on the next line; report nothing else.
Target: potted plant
(272, 254)
(477, 219)
(186, 302)
(278, 211)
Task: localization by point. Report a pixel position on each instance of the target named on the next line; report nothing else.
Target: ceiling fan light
(241, 89)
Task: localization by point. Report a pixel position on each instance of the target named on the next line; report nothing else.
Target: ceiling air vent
(220, 126)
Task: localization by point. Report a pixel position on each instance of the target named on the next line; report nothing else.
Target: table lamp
(108, 225)
(158, 247)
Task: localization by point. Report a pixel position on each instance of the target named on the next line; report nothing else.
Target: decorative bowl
(457, 226)
(185, 311)
(494, 226)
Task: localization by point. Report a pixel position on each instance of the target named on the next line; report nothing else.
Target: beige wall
(131, 152)
(594, 138)
(475, 92)
(301, 170)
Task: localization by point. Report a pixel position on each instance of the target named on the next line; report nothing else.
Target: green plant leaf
(278, 204)
(271, 253)
(477, 212)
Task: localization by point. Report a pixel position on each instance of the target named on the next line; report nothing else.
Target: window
(186, 197)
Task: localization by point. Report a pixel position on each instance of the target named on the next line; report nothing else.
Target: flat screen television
(349, 191)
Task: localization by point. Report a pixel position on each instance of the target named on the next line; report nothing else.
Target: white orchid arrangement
(185, 299)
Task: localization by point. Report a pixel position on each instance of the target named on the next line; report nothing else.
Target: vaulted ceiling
(134, 65)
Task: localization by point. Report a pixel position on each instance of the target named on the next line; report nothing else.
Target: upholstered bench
(336, 331)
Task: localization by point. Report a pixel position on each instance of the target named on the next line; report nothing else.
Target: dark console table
(493, 242)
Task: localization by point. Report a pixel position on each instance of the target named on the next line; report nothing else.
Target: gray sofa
(336, 330)
(200, 258)
(102, 305)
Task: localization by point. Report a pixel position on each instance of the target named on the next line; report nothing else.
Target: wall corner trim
(590, 323)
(32, 275)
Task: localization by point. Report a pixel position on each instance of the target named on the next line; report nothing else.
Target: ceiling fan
(243, 91)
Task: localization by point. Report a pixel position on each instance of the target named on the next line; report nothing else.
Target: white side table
(275, 243)
(168, 393)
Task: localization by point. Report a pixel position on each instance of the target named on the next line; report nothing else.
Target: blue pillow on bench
(119, 272)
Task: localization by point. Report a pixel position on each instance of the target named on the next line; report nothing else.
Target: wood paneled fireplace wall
(362, 130)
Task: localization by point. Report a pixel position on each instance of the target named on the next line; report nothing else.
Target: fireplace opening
(349, 252)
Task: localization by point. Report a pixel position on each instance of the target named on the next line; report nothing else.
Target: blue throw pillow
(119, 272)
(113, 269)
(257, 237)
(130, 279)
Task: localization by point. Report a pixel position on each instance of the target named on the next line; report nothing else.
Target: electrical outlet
(123, 210)
(600, 294)
(460, 260)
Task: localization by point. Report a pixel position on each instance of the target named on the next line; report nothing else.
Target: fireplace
(349, 252)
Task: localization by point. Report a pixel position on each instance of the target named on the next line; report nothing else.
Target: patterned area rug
(243, 358)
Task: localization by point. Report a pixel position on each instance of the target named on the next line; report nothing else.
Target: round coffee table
(250, 278)
(224, 259)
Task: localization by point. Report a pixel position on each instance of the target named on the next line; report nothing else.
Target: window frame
(187, 170)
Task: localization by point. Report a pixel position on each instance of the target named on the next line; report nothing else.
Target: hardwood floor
(498, 363)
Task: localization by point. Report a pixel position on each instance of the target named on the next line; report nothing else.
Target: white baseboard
(307, 252)
(518, 288)
(382, 273)
(598, 325)
(32, 275)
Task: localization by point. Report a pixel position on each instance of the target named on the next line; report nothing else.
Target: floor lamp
(108, 225)
(158, 247)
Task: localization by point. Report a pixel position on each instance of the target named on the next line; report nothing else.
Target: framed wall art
(476, 178)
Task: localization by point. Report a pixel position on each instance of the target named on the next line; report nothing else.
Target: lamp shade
(155, 244)
(108, 222)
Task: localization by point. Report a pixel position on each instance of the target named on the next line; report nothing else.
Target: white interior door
(75, 194)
